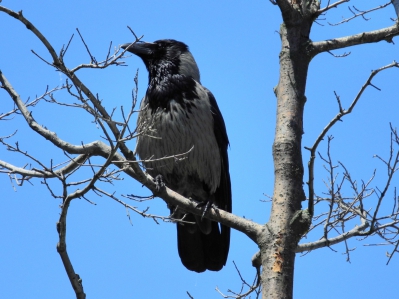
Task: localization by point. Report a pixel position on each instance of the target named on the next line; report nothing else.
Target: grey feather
(188, 66)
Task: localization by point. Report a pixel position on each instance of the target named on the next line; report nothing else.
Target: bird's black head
(165, 57)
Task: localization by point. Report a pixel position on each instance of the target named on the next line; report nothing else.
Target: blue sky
(236, 46)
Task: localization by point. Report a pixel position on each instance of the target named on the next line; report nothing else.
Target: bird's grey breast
(180, 127)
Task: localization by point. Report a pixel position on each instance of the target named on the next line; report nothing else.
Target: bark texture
(287, 223)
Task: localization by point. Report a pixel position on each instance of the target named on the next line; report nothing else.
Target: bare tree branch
(337, 118)
(329, 6)
(359, 13)
(32, 103)
(362, 38)
(342, 210)
(49, 135)
(252, 287)
(356, 231)
(143, 213)
(75, 163)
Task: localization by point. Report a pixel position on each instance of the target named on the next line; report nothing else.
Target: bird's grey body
(172, 132)
(178, 115)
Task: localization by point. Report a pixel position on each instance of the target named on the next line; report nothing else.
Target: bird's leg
(206, 208)
(206, 204)
(159, 183)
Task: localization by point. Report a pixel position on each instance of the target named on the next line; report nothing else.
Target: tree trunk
(287, 222)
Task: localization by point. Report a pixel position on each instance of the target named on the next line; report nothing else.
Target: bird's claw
(159, 183)
(206, 204)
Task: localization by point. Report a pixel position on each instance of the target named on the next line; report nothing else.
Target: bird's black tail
(199, 252)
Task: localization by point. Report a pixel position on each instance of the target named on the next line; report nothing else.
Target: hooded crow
(179, 115)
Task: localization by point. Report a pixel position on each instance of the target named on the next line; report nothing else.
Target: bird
(178, 115)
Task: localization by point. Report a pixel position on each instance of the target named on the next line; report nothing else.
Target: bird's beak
(139, 48)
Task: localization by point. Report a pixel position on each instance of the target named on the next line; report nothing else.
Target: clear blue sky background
(236, 46)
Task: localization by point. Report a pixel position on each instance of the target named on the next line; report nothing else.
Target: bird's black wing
(199, 251)
(223, 192)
